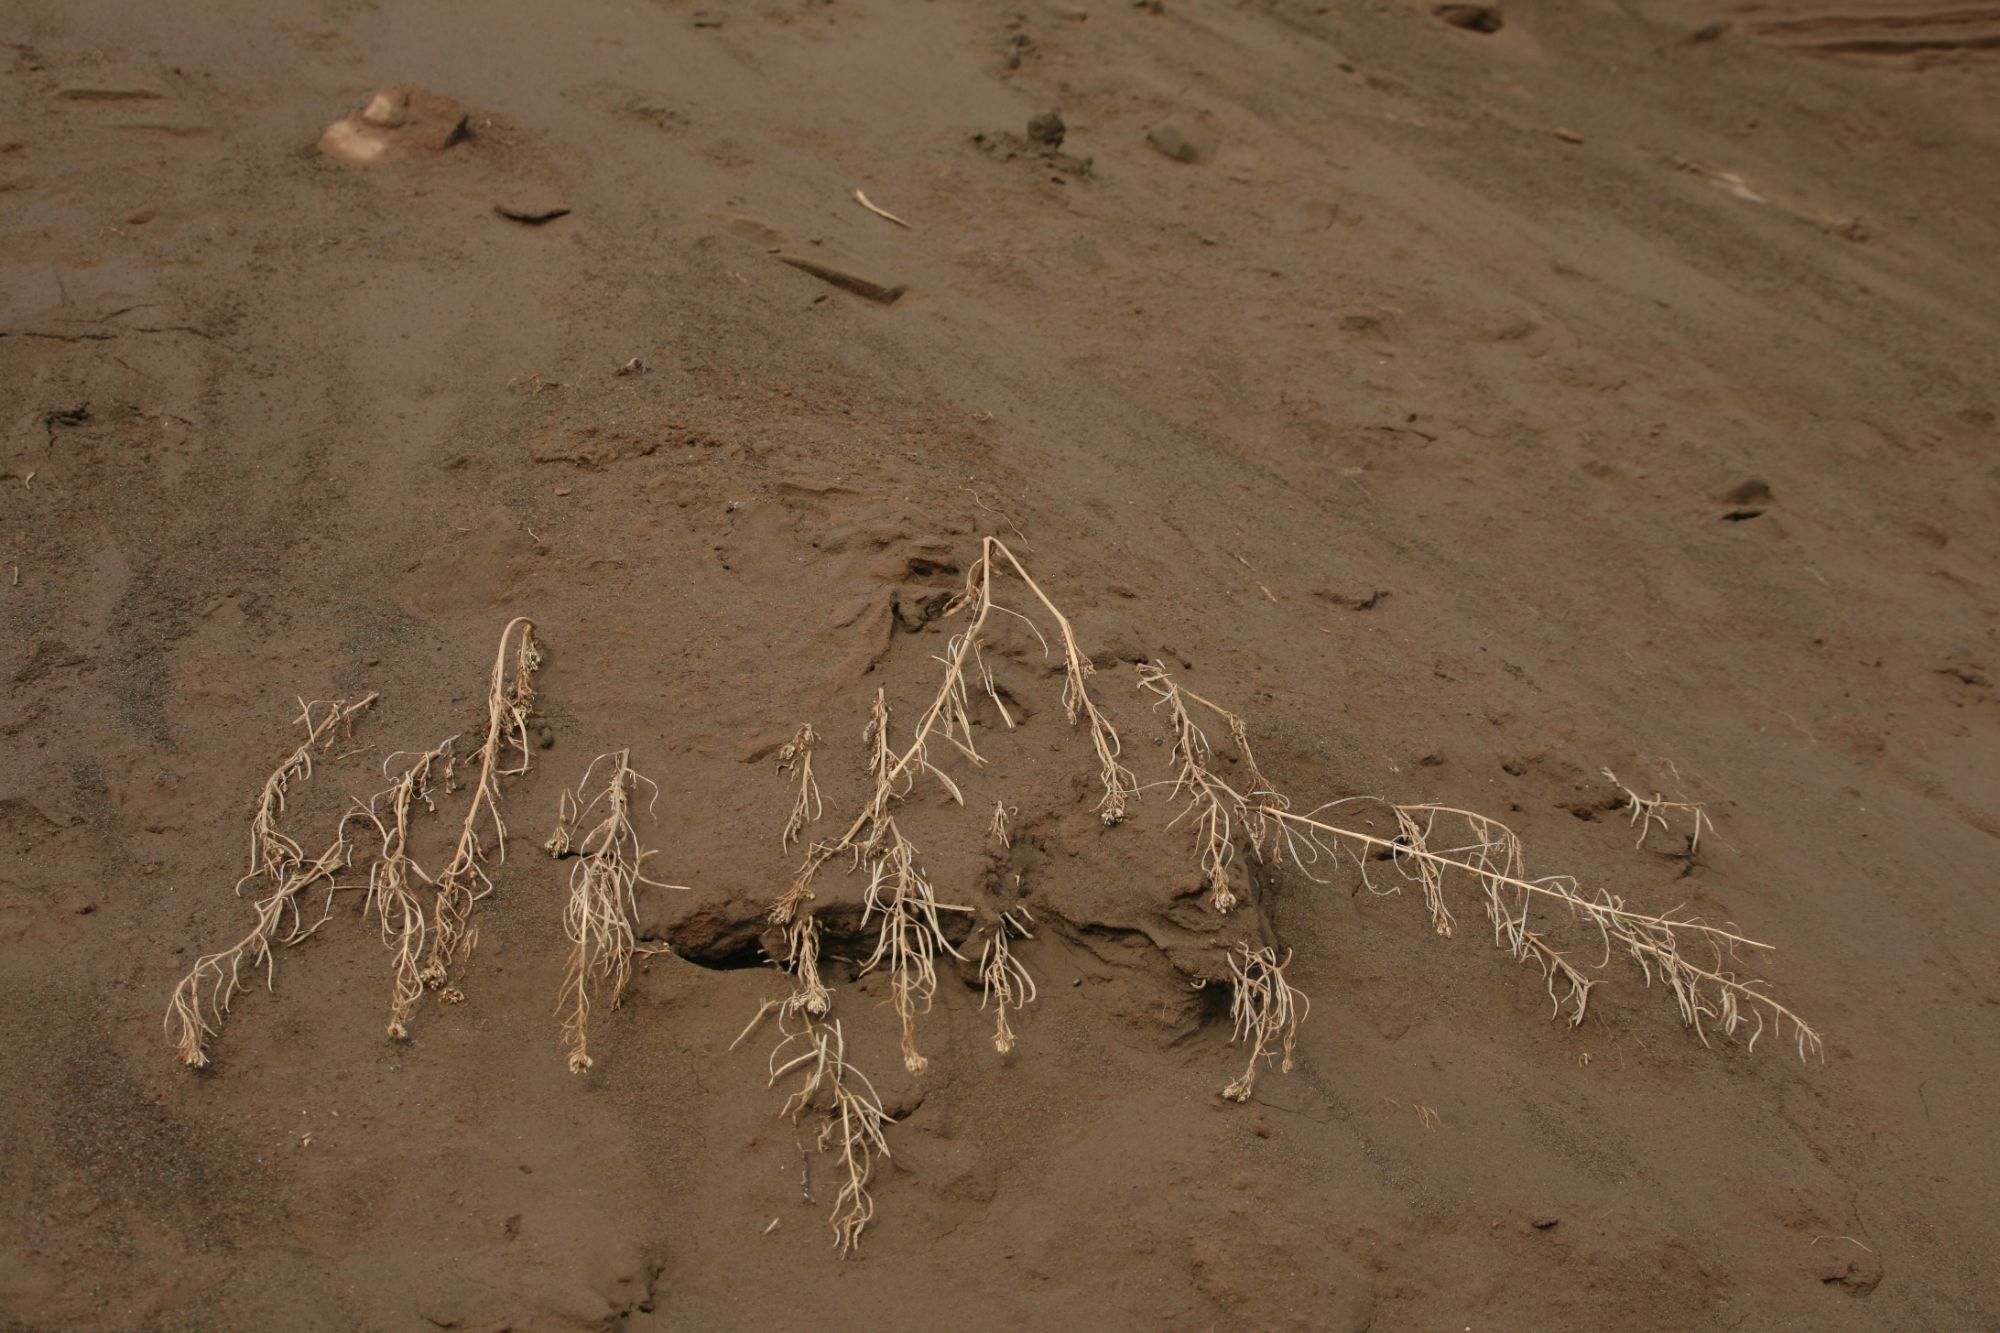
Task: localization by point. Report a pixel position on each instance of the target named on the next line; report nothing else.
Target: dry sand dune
(1474, 401)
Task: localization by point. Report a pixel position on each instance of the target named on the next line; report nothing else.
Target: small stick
(464, 879)
(862, 199)
(796, 757)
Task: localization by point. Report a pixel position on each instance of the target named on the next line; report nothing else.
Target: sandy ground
(1474, 412)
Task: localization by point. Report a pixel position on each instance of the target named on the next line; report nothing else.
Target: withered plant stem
(1267, 1011)
(853, 1118)
(464, 879)
(214, 980)
(1004, 981)
(273, 853)
(601, 919)
(1705, 996)
(392, 879)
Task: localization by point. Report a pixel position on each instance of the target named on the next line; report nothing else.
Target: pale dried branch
(1214, 807)
(852, 1122)
(601, 919)
(1004, 982)
(274, 854)
(1649, 812)
(1001, 825)
(1266, 1010)
(510, 699)
(1707, 997)
(795, 757)
(392, 879)
(809, 994)
(205, 993)
(910, 934)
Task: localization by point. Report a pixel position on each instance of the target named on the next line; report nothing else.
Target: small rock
(1566, 135)
(707, 18)
(403, 121)
(1047, 128)
(139, 217)
(1857, 1272)
(1472, 18)
(1544, 1222)
(1170, 138)
(545, 738)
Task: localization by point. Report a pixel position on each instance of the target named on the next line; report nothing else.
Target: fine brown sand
(1471, 410)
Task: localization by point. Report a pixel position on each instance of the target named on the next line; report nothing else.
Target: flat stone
(403, 121)
(1174, 140)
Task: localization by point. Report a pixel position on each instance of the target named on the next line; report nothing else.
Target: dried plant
(1004, 982)
(1711, 997)
(214, 980)
(1267, 1011)
(274, 855)
(910, 934)
(1491, 852)
(809, 995)
(392, 879)
(795, 757)
(1215, 808)
(852, 1116)
(1649, 812)
(948, 719)
(510, 699)
(602, 915)
(1001, 825)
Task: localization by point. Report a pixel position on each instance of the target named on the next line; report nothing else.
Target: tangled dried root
(510, 699)
(205, 993)
(1218, 812)
(601, 916)
(392, 880)
(1267, 1011)
(795, 757)
(1488, 853)
(852, 1116)
(1004, 982)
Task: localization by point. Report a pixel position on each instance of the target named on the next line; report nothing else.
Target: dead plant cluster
(1232, 816)
(1235, 819)
(601, 918)
(429, 941)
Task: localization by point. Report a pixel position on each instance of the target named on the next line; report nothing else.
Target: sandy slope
(1400, 422)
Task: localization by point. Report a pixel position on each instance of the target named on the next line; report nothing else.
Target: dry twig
(1001, 825)
(1003, 981)
(392, 880)
(1707, 997)
(463, 881)
(853, 1118)
(601, 917)
(274, 855)
(1215, 807)
(1649, 812)
(796, 757)
(947, 719)
(215, 978)
(1267, 1011)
